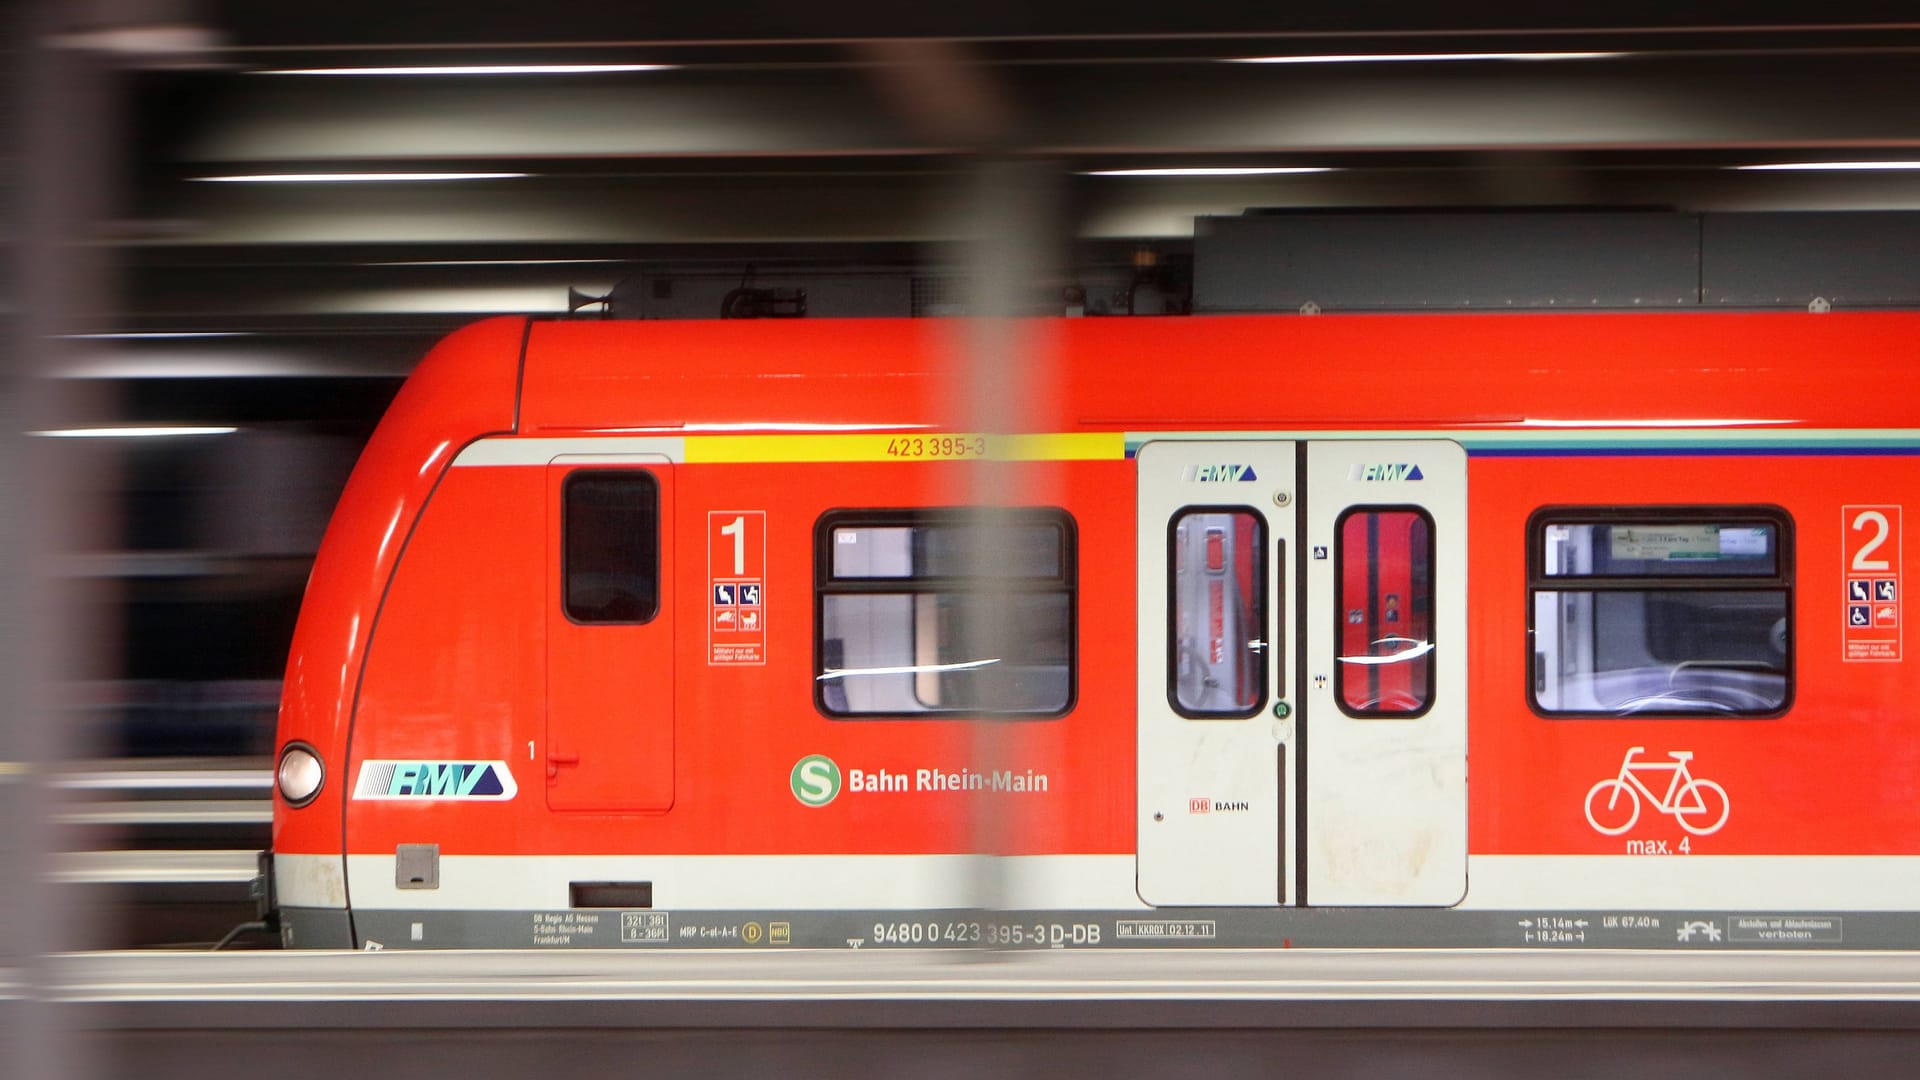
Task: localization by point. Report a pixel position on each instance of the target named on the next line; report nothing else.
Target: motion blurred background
(235, 226)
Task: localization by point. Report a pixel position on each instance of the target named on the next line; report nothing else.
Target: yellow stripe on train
(952, 446)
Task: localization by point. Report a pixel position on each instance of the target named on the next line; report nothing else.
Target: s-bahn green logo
(816, 780)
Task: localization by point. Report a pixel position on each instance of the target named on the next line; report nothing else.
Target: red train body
(636, 634)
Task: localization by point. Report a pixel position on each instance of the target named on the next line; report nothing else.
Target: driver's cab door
(609, 633)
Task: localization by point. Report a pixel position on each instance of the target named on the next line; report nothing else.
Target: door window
(1383, 571)
(610, 521)
(1217, 643)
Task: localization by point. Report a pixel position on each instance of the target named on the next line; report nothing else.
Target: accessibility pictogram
(1871, 551)
(736, 570)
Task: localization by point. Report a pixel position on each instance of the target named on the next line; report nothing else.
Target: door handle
(554, 761)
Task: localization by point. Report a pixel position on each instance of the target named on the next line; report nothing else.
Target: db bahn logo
(815, 780)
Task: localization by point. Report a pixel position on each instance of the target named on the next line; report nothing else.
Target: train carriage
(1350, 630)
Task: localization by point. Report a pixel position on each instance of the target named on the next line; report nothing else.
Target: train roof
(1852, 370)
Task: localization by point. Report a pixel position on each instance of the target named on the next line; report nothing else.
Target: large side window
(1383, 568)
(1217, 648)
(1660, 611)
(928, 612)
(610, 521)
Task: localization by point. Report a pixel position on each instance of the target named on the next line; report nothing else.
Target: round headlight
(300, 774)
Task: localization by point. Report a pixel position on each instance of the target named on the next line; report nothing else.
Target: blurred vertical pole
(1012, 218)
(1008, 221)
(58, 134)
(18, 867)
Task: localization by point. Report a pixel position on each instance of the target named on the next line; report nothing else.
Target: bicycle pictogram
(1700, 806)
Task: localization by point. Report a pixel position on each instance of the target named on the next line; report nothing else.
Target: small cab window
(1383, 571)
(1217, 645)
(1660, 612)
(929, 612)
(610, 521)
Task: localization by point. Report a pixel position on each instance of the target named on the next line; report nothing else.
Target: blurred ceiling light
(1833, 166)
(355, 178)
(491, 262)
(151, 39)
(1421, 58)
(158, 335)
(222, 361)
(477, 69)
(1215, 170)
(131, 432)
(458, 300)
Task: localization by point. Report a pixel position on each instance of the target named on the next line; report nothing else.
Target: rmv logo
(1219, 474)
(815, 780)
(1396, 471)
(444, 778)
(435, 780)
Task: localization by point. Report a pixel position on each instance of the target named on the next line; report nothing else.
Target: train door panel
(609, 738)
(1215, 595)
(1385, 745)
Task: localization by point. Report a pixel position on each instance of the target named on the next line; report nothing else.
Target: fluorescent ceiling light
(491, 262)
(1833, 166)
(455, 300)
(158, 335)
(131, 432)
(112, 362)
(1210, 170)
(355, 178)
(477, 69)
(1421, 58)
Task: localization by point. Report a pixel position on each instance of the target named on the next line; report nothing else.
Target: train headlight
(300, 774)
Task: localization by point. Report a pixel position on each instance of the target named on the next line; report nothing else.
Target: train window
(931, 612)
(1660, 611)
(1383, 570)
(1663, 550)
(1216, 647)
(939, 550)
(610, 521)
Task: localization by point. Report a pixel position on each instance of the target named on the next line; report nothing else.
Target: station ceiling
(782, 132)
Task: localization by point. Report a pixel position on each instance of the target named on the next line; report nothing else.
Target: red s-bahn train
(1529, 630)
